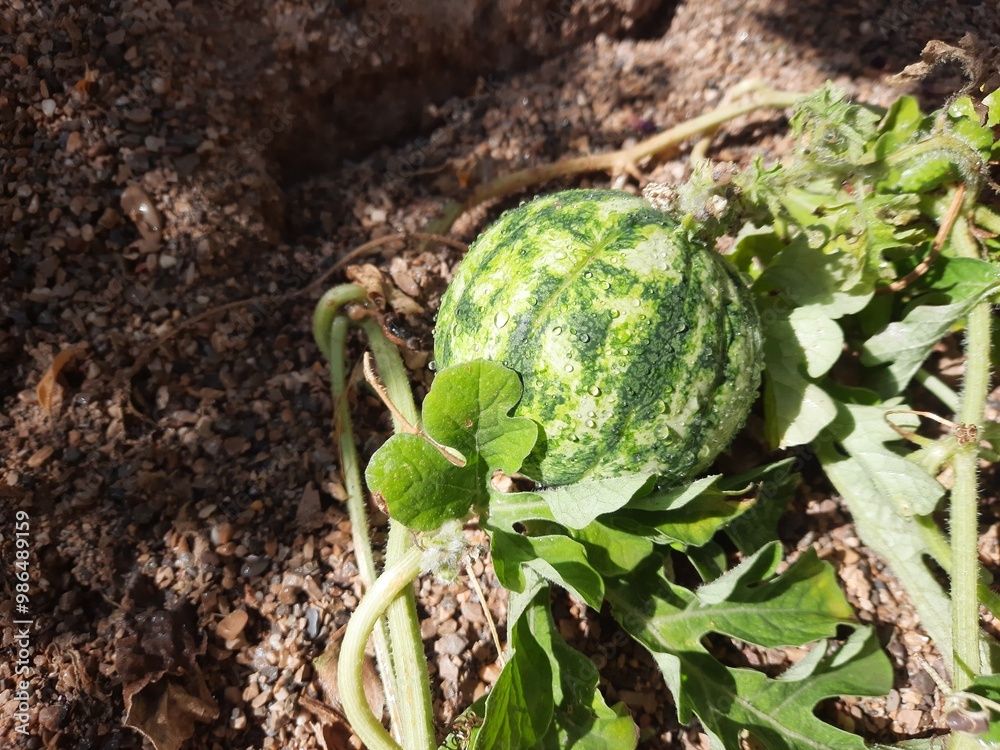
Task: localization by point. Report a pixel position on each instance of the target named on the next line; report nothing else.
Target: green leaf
(610, 550)
(466, 410)
(750, 603)
(803, 276)
(519, 708)
(691, 525)
(992, 102)
(546, 697)
(554, 557)
(776, 485)
(577, 505)
(882, 524)
(960, 284)
(795, 408)
(422, 488)
(965, 125)
(901, 124)
(674, 497)
(819, 337)
(865, 435)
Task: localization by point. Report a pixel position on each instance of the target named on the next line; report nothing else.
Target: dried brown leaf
(326, 673)
(371, 279)
(979, 61)
(166, 711)
(402, 303)
(46, 388)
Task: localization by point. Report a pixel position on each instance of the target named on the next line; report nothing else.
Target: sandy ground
(160, 159)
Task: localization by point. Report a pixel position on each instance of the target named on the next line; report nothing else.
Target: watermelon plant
(597, 349)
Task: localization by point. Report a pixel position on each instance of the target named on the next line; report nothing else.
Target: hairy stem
(407, 647)
(330, 330)
(523, 178)
(965, 492)
(395, 579)
(965, 501)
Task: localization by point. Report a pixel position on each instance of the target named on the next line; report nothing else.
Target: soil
(189, 551)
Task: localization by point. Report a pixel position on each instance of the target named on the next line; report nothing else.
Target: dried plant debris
(163, 689)
(979, 61)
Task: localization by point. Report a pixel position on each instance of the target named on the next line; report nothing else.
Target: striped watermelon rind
(639, 347)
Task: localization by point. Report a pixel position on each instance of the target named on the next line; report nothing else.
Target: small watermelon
(638, 345)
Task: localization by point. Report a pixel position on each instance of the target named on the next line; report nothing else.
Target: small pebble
(254, 566)
(451, 645)
(232, 624)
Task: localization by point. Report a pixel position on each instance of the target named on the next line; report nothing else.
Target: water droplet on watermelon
(591, 423)
(588, 275)
(625, 352)
(500, 319)
(574, 438)
(606, 285)
(475, 348)
(661, 406)
(557, 330)
(615, 313)
(569, 368)
(584, 338)
(594, 390)
(591, 413)
(560, 255)
(432, 365)
(532, 301)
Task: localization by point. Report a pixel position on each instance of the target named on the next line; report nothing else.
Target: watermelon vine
(600, 347)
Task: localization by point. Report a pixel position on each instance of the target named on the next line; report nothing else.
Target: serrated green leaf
(519, 708)
(820, 338)
(554, 557)
(802, 604)
(896, 536)
(795, 408)
(611, 550)
(776, 485)
(576, 505)
(992, 102)
(802, 275)
(549, 700)
(959, 284)
(466, 410)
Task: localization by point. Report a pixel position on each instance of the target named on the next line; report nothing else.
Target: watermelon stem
(761, 97)
(965, 492)
(398, 647)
